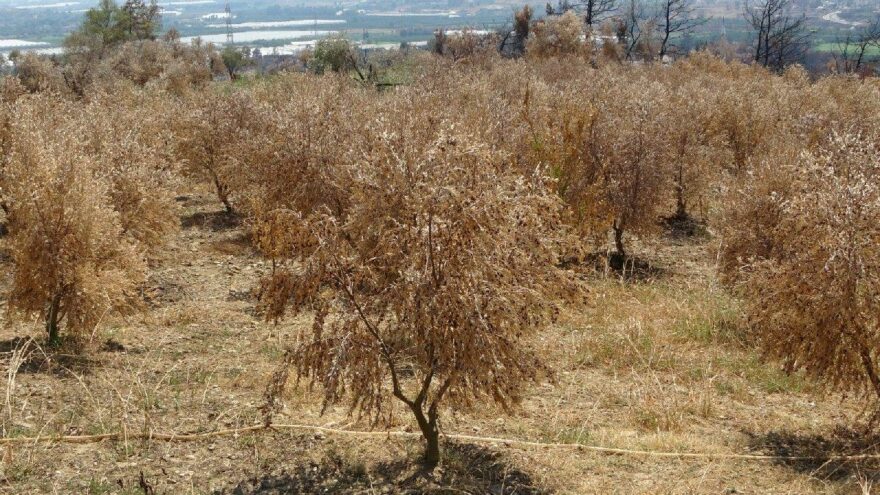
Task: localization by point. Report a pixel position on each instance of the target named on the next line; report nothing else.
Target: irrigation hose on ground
(191, 437)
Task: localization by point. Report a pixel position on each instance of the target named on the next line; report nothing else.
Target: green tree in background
(235, 60)
(333, 53)
(108, 24)
(103, 28)
(140, 20)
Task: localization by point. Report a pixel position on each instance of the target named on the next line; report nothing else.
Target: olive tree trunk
(427, 425)
(52, 321)
(868, 363)
(618, 239)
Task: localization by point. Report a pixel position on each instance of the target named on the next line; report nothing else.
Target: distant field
(829, 47)
(258, 24)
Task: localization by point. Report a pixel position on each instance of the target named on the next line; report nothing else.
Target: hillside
(560, 266)
(651, 365)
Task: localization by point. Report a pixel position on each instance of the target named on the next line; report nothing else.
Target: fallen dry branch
(191, 437)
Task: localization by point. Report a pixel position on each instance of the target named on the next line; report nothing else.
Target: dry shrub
(575, 161)
(466, 45)
(137, 163)
(628, 144)
(634, 173)
(688, 151)
(74, 264)
(170, 64)
(745, 125)
(264, 151)
(7, 117)
(808, 265)
(427, 287)
(607, 155)
(555, 36)
(607, 47)
(292, 162)
(461, 45)
(211, 131)
(11, 89)
(88, 191)
(753, 213)
(40, 74)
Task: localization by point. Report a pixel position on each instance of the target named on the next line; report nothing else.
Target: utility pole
(228, 11)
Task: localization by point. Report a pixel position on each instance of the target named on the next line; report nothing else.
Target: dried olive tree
(687, 148)
(428, 289)
(634, 172)
(607, 157)
(73, 262)
(87, 188)
(555, 36)
(135, 161)
(210, 133)
(812, 280)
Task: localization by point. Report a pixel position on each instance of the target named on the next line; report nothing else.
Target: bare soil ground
(659, 364)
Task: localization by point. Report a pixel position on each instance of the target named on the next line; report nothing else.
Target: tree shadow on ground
(239, 244)
(465, 468)
(823, 452)
(685, 228)
(29, 355)
(216, 221)
(627, 268)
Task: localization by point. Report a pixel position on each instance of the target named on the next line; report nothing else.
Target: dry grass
(660, 365)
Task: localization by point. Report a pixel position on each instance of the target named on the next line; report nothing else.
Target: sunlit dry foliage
(137, 162)
(74, 264)
(173, 65)
(558, 35)
(210, 136)
(611, 50)
(607, 155)
(170, 65)
(40, 74)
(321, 180)
(753, 212)
(87, 187)
(634, 174)
(688, 150)
(293, 160)
(7, 117)
(743, 124)
(428, 288)
(461, 45)
(808, 264)
(11, 89)
(466, 45)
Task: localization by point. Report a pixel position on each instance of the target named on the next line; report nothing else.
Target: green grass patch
(765, 376)
(710, 318)
(834, 47)
(101, 487)
(575, 436)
